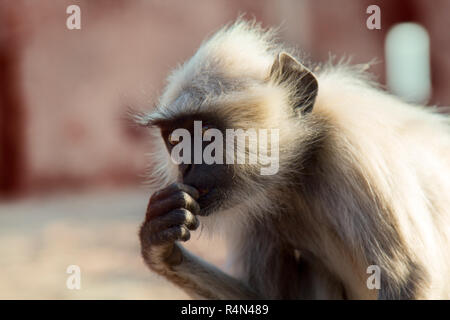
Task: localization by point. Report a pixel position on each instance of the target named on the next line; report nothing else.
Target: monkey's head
(238, 79)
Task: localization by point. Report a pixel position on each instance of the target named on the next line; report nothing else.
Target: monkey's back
(404, 152)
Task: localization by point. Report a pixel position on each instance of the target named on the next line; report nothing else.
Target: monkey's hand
(170, 215)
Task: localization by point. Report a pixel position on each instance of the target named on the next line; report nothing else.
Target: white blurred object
(407, 53)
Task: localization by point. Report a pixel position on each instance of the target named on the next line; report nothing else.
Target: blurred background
(72, 169)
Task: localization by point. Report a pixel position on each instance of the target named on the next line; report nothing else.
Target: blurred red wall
(64, 93)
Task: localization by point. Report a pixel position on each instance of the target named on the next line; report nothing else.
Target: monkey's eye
(171, 140)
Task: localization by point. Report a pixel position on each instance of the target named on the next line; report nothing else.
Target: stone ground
(41, 237)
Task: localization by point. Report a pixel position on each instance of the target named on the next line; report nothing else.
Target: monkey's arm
(169, 219)
(202, 280)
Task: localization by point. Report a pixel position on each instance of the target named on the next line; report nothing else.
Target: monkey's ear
(287, 70)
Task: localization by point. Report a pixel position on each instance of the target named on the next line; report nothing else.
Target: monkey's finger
(173, 188)
(177, 200)
(178, 233)
(174, 218)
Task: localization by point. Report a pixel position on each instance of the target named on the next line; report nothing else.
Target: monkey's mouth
(203, 191)
(206, 195)
(208, 200)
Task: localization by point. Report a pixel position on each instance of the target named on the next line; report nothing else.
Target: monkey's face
(215, 181)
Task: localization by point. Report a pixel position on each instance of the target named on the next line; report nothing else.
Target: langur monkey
(363, 180)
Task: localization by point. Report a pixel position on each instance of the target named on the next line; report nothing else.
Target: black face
(213, 181)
